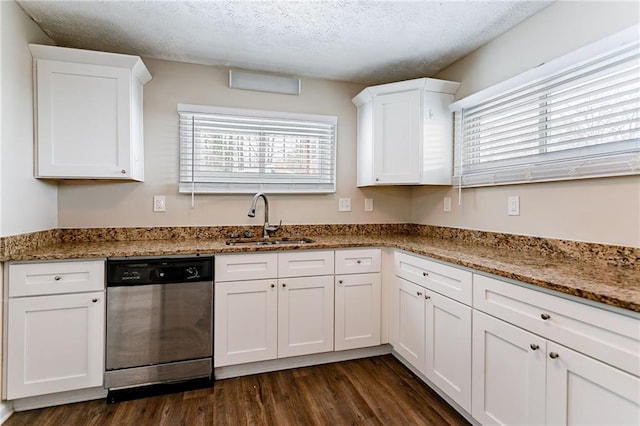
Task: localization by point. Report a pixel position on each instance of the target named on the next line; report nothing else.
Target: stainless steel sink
(269, 241)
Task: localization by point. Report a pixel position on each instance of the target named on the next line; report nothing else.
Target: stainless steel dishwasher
(159, 325)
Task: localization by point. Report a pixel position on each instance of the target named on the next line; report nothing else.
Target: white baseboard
(50, 400)
(298, 361)
(6, 410)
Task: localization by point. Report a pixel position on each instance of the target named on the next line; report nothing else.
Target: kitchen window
(231, 150)
(575, 117)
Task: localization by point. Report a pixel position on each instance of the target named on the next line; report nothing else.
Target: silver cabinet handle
(425, 274)
(534, 347)
(553, 355)
(545, 316)
(94, 300)
(57, 278)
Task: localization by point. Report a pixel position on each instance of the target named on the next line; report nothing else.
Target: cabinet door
(84, 120)
(357, 311)
(396, 138)
(245, 322)
(305, 315)
(508, 382)
(56, 344)
(448, 347)
(408, 320)
(582, 390)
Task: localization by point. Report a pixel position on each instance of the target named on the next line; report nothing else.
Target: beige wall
(595, 210)
(26, 204)
(130, 204)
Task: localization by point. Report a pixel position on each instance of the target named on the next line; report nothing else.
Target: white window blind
(577, 122)
(228, 150)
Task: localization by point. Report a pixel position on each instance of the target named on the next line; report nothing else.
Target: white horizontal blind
(583, 121)
(224, 150)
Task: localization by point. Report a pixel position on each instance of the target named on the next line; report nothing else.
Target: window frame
(240, 187)
(612, 158)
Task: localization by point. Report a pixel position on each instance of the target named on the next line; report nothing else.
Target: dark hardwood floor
(372, 391)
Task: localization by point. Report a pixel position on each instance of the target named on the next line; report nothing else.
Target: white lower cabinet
(508, 374)
(246, 321)
(521, 378)
(430, 331)
(408, 336)
(544, 359)
(448, 347)
(357, 311)
(358, 298)
(55, 341)
(582, 390)
(305, 315)
(270, 317)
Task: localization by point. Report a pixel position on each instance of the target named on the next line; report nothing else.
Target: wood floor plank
(371, 391)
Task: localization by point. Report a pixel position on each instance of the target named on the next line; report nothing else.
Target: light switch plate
(513, 205)
(344, 204)
(159, 203)
(368, 204)
(447, 204)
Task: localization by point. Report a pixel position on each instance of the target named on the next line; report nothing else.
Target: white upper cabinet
(88, 114)
(405, 133)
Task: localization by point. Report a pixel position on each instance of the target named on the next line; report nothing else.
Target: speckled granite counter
(606, 274)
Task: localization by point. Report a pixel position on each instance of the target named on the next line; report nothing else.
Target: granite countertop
(613, 285)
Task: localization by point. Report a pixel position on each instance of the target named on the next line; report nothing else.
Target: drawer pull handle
(358, 261)
(425, 274)
(94, 300)
(553, 355)
(123, 171)
(534, 347)
(340, 282)
(419, 293)
(545, 316)
(283, 285)
(272, 285)
(427, 297)
(57, 278)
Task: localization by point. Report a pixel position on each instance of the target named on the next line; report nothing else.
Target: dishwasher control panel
(159, 271)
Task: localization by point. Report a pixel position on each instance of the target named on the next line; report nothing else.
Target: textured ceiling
(361, 41)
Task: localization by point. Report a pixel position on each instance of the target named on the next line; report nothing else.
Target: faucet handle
(272, 228)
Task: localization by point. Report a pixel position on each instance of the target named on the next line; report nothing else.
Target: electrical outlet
(513, 205)
(344, 204)
(447, 204)
(368, 204)
(159, 203)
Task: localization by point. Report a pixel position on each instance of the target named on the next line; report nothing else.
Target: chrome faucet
(252, 213)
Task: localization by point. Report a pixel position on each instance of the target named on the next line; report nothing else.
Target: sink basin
(268, 241)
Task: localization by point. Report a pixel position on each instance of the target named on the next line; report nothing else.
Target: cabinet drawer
(357, 261)
(305, 263)
(608, 336)
(241, 267)
(32, 279)
(446, 280)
